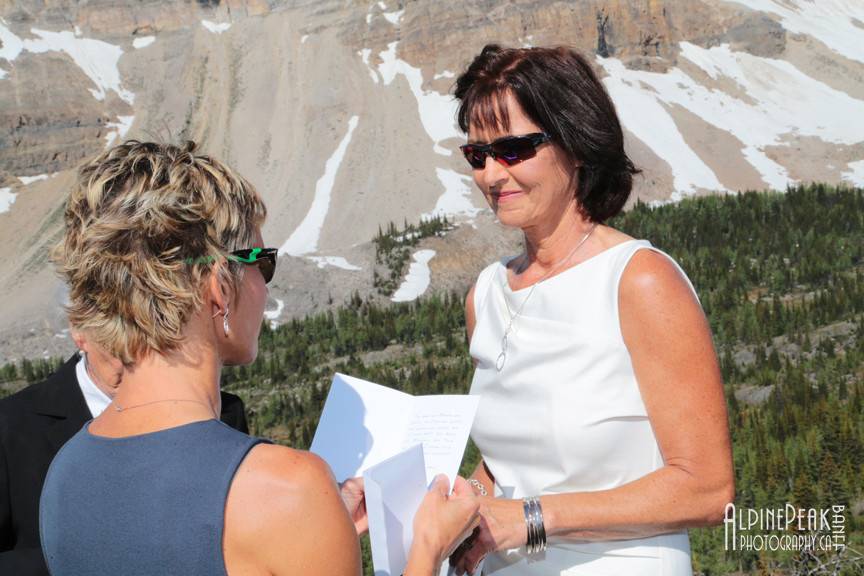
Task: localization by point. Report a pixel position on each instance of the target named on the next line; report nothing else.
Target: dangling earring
(225, 327)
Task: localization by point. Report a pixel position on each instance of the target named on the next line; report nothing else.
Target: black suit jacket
(34, 424)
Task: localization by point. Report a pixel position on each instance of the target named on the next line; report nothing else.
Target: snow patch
(143, 42)
(772, 173)
(444, 74)
(457, 195)
(216, 27)
(335, 261)
(119, 129)
(273, 315)
(26, 180)
(832, 22)
(855, 174)
(304, 38)
(816, 110)
(7, 198)
(437, 111)
(305, 238)
(11, 46)
(643, 115)
(418, 278)
(364, 54)
(97, 59)
(768, 119)
(394, 17)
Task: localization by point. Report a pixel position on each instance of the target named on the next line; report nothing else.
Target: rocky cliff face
(339, 112)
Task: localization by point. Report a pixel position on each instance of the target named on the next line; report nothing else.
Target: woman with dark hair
(167, 271)
(602, 424)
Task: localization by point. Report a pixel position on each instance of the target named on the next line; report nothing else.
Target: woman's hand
(440, 524)
(354, 497)
(502, 526)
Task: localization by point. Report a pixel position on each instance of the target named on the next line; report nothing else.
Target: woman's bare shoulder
(650, 270)
(275, 460)
(284, 478)
(284, 506)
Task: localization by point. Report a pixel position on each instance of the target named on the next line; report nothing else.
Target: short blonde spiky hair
(141, 225)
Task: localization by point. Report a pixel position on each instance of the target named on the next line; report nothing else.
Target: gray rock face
(758, 35)
(274, 89)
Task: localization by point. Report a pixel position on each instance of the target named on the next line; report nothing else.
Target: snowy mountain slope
(340, 114)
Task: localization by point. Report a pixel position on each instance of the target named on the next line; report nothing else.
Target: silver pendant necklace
(502, 357)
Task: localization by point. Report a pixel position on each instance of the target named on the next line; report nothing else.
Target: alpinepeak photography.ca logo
(787, 528)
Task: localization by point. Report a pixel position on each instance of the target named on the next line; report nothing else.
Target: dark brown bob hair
(558, 90)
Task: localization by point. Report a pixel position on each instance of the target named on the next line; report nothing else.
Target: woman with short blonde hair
(167, 271)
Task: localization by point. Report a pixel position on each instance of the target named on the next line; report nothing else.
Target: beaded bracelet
(479, 486)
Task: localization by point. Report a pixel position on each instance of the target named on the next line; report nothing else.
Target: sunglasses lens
(476, 158)
(267, 266)
(514, 150)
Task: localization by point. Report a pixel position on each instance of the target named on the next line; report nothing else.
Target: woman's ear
(79, 339)
(219, 291)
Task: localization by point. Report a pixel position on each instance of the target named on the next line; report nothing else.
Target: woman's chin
(509, 218)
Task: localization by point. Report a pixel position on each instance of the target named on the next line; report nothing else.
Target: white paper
(394, 490)
(442, 425)
(364, 423)
(356, 427)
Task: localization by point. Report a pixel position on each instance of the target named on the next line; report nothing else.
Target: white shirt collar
(96, 399)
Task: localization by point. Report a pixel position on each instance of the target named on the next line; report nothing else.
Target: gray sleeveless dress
(149, 504)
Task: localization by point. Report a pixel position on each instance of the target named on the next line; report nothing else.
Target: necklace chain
(120, 408)
(502, 357)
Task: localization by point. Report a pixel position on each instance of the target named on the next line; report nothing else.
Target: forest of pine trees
(781, 279)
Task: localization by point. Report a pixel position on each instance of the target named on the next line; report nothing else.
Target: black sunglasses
(509, 150)
(265, 258)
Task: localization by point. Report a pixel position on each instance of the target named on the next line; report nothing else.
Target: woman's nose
(494, 173)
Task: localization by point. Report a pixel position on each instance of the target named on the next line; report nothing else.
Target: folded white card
(394, 491)
(364, 423)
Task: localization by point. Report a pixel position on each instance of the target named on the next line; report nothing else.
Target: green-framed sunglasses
(265, 258)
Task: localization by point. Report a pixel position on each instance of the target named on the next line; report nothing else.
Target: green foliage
(13, 376)
(30, 371)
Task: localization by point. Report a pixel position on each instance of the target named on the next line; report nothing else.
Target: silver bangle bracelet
(534, 522)
(479, 486)
(529, 525)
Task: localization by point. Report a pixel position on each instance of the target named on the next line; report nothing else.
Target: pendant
(502, 357)
(499, 363)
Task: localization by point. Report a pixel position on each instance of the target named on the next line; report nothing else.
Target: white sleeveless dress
(565, 413)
